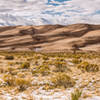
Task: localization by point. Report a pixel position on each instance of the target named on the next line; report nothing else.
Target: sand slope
(50, 37)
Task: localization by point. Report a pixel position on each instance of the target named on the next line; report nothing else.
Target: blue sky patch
(50, 2)
(58, 0)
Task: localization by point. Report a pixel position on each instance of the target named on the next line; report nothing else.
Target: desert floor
(49, 76)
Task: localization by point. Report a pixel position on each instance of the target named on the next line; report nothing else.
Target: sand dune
(50, 37)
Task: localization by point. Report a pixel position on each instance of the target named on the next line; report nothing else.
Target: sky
(40, 12)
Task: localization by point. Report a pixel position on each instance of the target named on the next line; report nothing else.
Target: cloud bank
(40, 12)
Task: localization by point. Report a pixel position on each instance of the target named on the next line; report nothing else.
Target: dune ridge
(50, 37)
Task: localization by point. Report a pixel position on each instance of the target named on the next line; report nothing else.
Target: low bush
(76, 61)
(60, 59)
(37, 57)
(62, 80)
(60, 66)
(9, 79)
(42, 69)
(10, 69)
(45, 57)
(21, 75)
(86, 66)
(22, 83)
(9, 57)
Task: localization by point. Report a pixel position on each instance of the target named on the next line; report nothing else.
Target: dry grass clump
(76, 94)
(11, 63)
(25, 65)
(61, 79)
(76, 61)
(29, 59)
(9, 79)
(42, 69)
(36, 57)
(45, 57)
(3, 70)
(9, 57)
(60, 66)
(60, 59)
(10, 70)
(59, 63)
(86, 66)
(21, 75)
(22, 83)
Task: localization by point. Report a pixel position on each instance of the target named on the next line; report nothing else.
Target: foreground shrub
(9, 57)
(22, 83)
(76, 95)
(25, 65)
(86, 66)
(62, 80)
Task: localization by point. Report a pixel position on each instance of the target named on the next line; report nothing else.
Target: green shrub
(62, 80)
(86, 66)
(76, 95)
(25, 65)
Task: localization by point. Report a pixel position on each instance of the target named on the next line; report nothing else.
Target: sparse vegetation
(30, 71)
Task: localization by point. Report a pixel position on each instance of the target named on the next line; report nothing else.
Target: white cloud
(39, 12)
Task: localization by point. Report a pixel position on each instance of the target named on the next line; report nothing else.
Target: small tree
(75, 48)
